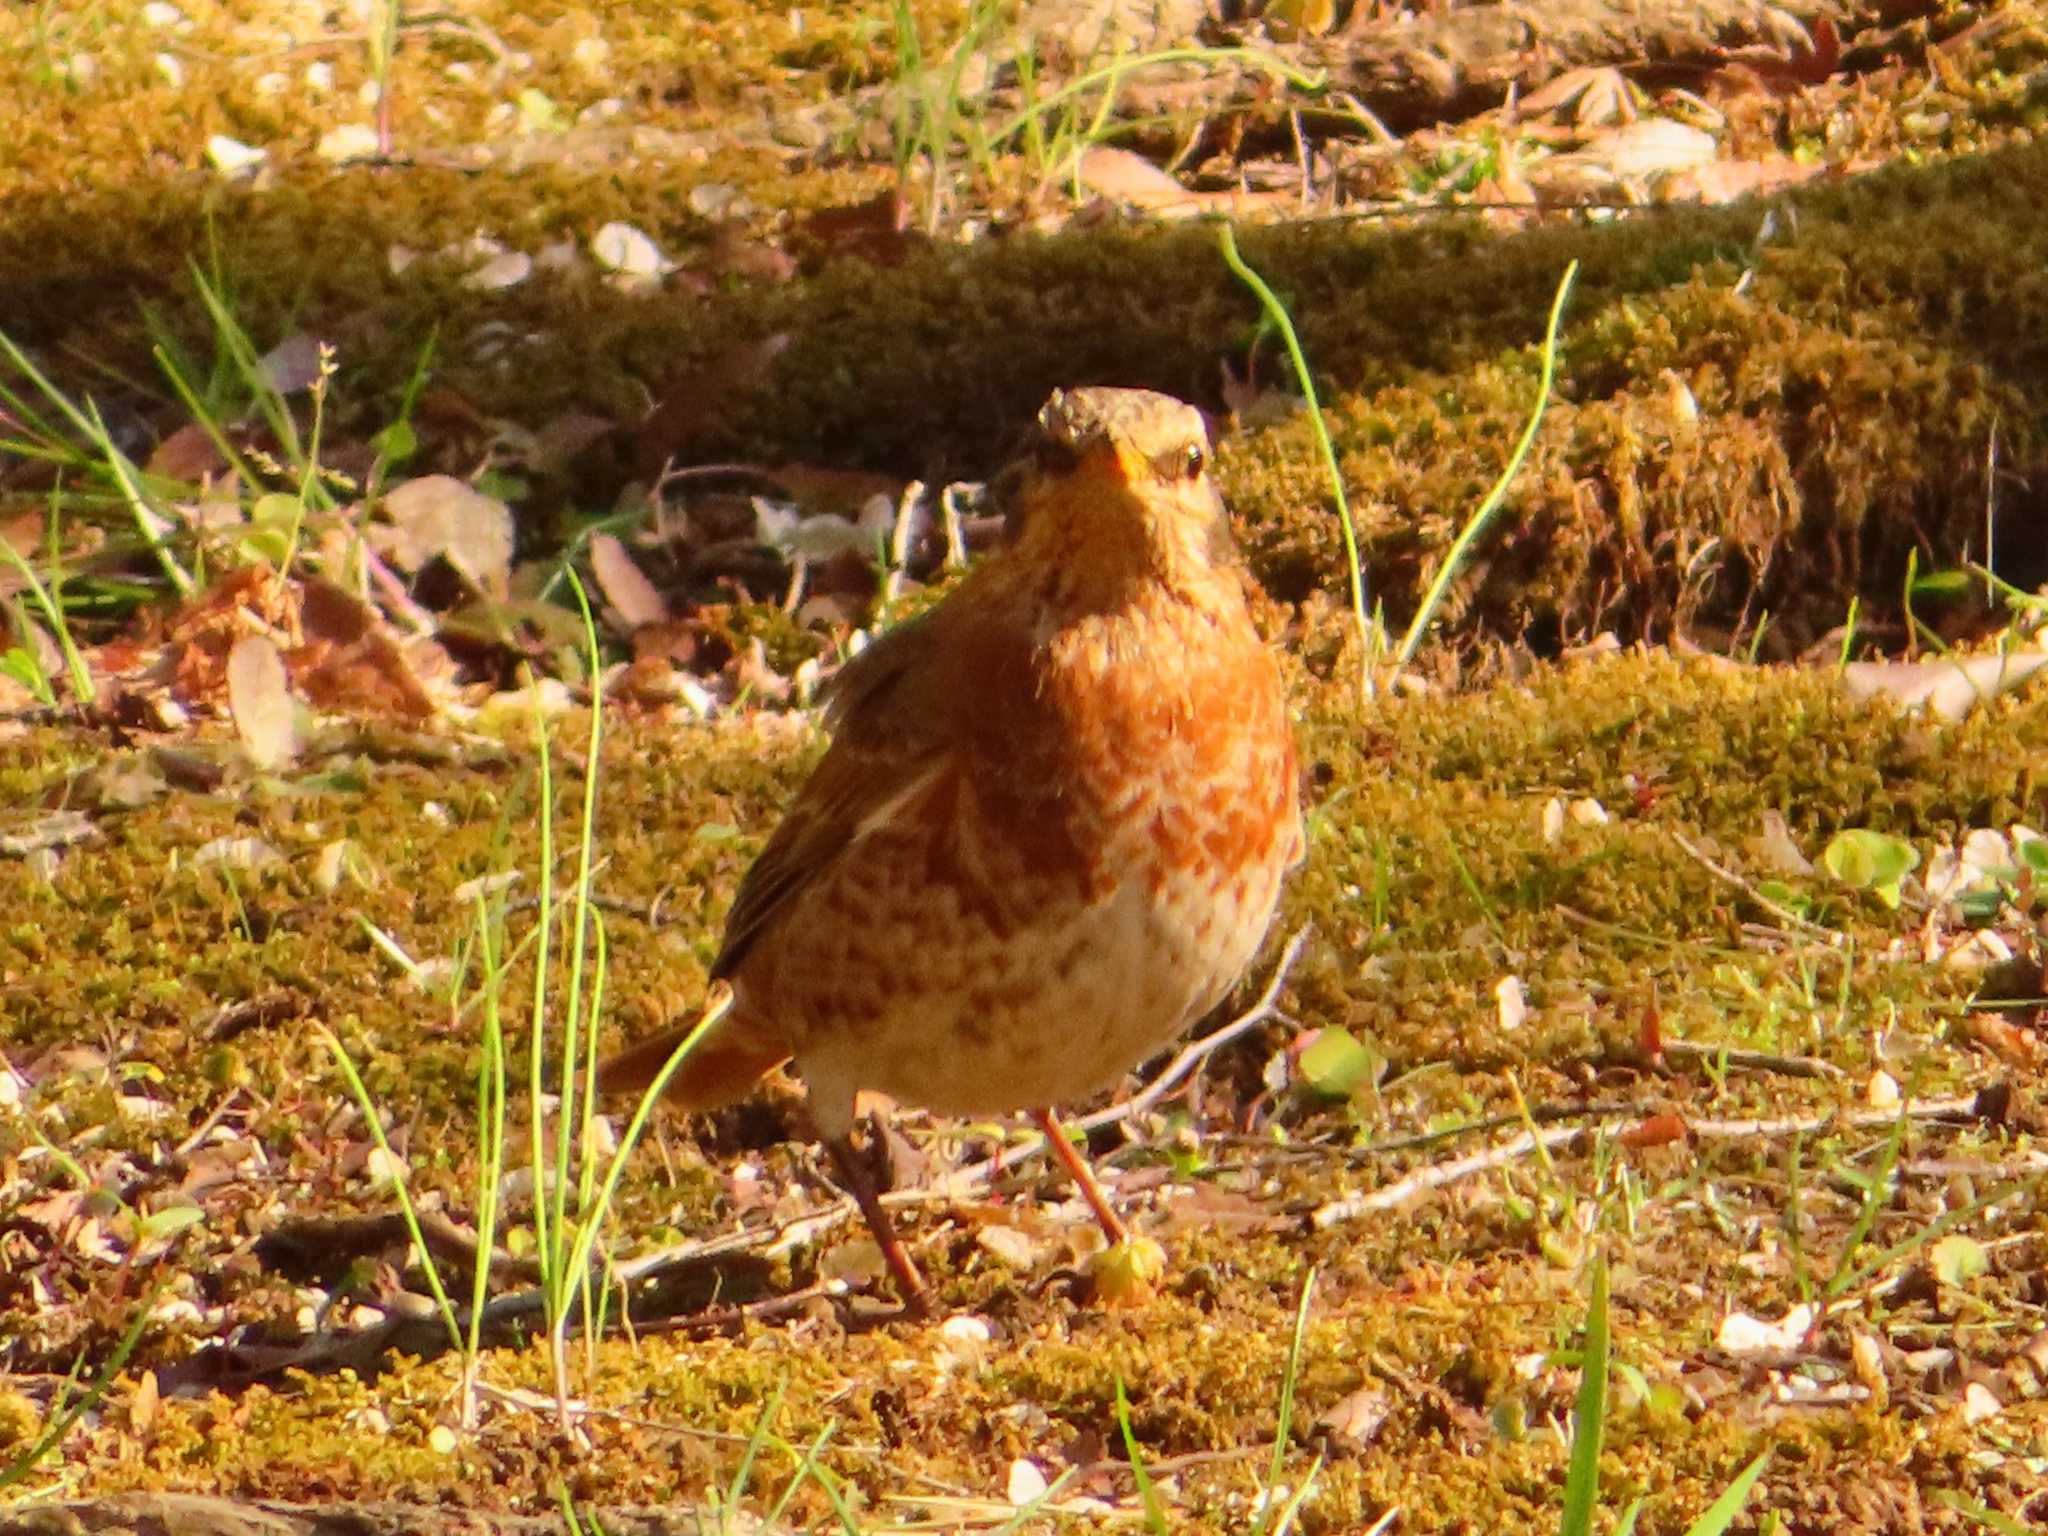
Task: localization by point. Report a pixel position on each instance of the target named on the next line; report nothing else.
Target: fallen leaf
(1015, 1248)
(629, 254)
(1128, 177)
(1024, 1483)
(1950, 687)
(1353, 1422)
(1957, 1259)
(1741, 1334)
(293, 364)
(350, 142)
(670, 433)
(1775, 849)
(1511, 1003)
(1654, 1131)
(1124, 176)
(260, 700)
(142, 1405)
(236, 853)
(439, 515)
(59, 829)
(625, 585)
(1980, 1403)
(878, 230)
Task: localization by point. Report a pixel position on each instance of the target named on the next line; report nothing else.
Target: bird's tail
(722, 1067)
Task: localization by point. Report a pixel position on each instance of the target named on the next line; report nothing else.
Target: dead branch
(1987, 1104)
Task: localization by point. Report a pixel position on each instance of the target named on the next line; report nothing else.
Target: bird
(1050, 830)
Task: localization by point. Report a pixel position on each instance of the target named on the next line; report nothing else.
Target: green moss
(1448, 1306)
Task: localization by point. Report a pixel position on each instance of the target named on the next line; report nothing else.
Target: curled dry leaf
(878, 231)
(625, 585)
(1951, 687)
(1353, 1422)
(1741, 1334)
(1511, 1003)
(260, 699)
(351, 661)
(441, 515)
(1655, 1131)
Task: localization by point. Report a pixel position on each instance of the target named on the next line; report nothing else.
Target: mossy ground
(1749, 422)
(1429, 879)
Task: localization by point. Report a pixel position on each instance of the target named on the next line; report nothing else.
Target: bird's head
(1118, 486)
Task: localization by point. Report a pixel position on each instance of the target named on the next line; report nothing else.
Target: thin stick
(1755, 1061)
(1783, 914)
(1389, 1197)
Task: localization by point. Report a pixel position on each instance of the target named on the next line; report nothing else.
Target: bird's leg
(857, 1173)
(1071, 1158)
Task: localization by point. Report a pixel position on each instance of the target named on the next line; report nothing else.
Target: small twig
(956, 535)
(1963, 1108)
(1585, 1114)
(1985, 1104)
(899, 540)
(397, 601)
(1755, 1061)
(724, 1319)
(1390, 1196)
(205, 1127)
(1783, 914)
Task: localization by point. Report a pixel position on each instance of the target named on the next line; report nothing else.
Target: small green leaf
(172, 1219)
(718, 832)
(1871, 861)
(1942, 584)
(1337, 1064)
(396, 443)
(2033, 853)
(1958, 1260)
(21, 666)
(1779, 894)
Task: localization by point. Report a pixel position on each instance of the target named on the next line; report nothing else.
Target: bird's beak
(1115, 462)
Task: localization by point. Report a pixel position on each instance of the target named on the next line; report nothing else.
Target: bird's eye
(1056, 457)
(1183, 463)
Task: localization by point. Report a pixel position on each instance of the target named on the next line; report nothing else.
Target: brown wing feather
(890, 731)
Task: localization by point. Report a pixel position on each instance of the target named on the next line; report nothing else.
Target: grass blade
(1589, 1417)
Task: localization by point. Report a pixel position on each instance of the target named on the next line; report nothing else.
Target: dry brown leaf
(351, 661)
(1353, 1422)
(1804, 60)
(671, 432)
(260, 700)
(1128, 177)
(142, 1405)
(625, 585)
(441, 515)
(878, 230)
(2006, 1040)
(1600, 93)
(1654, 1131)
(189, 455)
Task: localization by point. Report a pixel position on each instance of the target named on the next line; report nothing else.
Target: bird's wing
(890, 740)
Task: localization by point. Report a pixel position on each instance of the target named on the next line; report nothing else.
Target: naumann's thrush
(1051, 827)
